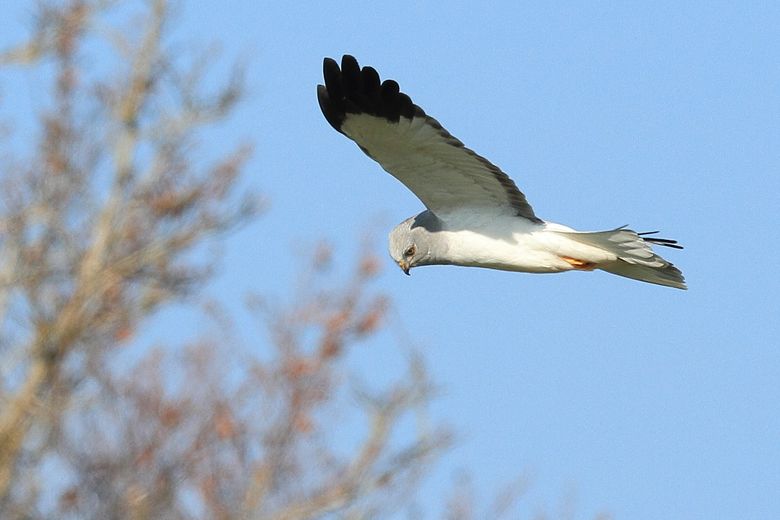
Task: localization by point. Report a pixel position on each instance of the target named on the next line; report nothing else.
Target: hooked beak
(404, 267)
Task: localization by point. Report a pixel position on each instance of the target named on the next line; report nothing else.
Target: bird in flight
(475, 214)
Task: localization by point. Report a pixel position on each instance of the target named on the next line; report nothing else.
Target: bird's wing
(413, 147)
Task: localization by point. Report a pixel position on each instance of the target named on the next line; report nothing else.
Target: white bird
(475, 214)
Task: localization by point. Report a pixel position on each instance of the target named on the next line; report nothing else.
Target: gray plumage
(476, 216)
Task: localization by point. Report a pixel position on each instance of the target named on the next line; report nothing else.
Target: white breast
(507, 243)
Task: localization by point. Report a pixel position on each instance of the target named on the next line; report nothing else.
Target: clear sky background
(643, 401)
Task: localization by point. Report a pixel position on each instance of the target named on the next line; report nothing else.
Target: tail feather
(635, 257)
(667, 275)
(666, 242)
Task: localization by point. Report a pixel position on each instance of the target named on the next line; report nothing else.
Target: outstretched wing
(413, 147)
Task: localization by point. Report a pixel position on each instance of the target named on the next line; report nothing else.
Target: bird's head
(410, 245)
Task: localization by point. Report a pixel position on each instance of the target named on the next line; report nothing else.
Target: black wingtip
(351, 90)
(330, 109)
(332, 75)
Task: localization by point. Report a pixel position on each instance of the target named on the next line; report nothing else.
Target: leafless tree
(98, 224)
(103, 219)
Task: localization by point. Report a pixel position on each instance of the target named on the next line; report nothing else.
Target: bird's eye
(410, 251)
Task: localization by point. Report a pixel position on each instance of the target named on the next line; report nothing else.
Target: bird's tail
(635, 258)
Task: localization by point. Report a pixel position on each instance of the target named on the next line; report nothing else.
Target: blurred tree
(99, 222)
(102, 222)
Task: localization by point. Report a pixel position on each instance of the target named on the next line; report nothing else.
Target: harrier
(475, 214)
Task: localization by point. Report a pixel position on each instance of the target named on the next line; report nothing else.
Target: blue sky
(639, 400)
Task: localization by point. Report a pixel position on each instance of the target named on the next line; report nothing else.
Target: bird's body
(475, 214)
(506, 244)
(467, 241)
(521, 249)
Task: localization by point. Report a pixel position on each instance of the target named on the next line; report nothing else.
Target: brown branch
(83, 272)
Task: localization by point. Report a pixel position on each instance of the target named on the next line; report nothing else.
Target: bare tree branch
(98, 224)
(84, 265)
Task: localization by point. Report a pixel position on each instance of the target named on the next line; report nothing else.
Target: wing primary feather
(405, 105)
(331, 95)
(350, 77)
(390, 106)
(370, 81)
(333, 114)
(332, 75)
